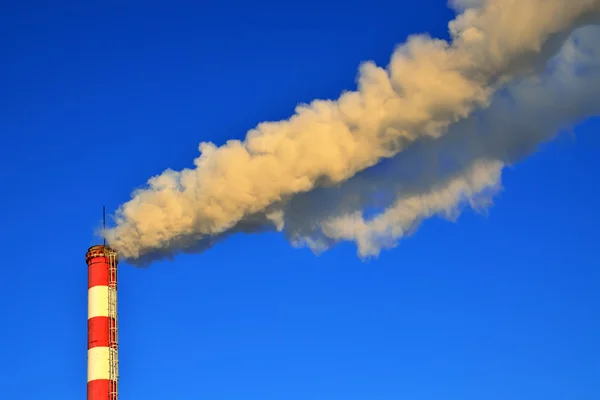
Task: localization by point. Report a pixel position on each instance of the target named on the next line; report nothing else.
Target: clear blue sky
(97, 97)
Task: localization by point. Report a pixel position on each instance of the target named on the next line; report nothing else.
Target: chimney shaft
(103, 362)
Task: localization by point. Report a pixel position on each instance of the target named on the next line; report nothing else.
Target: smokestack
(103, 361)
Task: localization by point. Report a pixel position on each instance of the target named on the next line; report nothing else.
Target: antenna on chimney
(104, 224)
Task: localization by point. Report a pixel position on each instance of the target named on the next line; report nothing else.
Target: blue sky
(97, 97)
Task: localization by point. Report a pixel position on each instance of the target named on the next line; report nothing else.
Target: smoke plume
(423, 137)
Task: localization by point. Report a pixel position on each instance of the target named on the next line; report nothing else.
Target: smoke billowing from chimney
(430, 133)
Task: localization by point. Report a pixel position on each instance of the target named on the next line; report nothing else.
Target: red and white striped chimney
(103, 362)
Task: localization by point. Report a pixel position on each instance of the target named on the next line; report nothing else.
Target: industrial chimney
(103, 361)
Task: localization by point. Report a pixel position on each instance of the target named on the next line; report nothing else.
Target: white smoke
(462, 167)
(448, 116)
